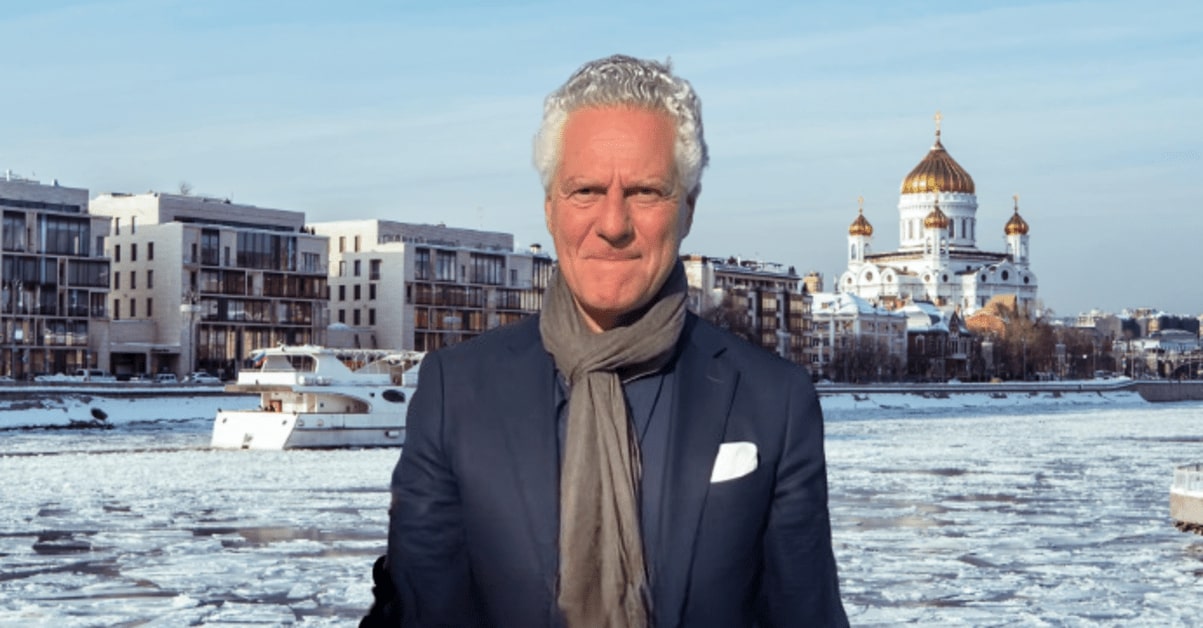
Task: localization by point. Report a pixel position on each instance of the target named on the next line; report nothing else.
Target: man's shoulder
(742, 353)
(515, 337)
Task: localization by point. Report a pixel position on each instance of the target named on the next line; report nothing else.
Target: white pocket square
(734, 460)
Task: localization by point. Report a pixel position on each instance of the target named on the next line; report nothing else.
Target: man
(614, 461)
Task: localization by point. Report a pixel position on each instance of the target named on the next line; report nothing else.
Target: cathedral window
(1005, 275)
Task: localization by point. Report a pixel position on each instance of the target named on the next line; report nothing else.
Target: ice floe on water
(1040, 514)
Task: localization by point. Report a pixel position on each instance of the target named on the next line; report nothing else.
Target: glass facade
(53, 282)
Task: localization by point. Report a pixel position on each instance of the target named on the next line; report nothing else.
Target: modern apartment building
(55, 280)
(198, 282)
(763, 296)
(397, 285)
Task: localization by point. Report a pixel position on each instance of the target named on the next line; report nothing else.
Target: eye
(587, 192)
(647, 193)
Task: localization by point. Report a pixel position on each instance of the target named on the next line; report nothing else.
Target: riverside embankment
(1149, 390)
(105, 405)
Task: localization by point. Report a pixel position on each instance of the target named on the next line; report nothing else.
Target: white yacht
(1186, 498)
(316, 397)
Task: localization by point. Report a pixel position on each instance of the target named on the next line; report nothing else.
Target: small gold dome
(937, 171)
(1016, 225)
(860, 226)
(936, 219)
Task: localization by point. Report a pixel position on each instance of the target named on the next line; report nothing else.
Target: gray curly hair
(620, 80)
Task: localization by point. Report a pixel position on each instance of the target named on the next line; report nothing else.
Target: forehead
(618, 130)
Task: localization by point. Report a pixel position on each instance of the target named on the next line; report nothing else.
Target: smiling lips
(612, 257)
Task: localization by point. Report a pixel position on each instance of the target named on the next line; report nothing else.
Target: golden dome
(860, 226)
(936, 219)
(937, 171)
(1016, 225)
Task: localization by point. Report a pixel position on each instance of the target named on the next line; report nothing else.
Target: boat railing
(273, 378)
(1189, 478)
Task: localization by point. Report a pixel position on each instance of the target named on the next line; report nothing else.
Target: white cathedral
(938, 259)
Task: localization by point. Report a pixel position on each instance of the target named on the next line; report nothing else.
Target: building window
(444, 266)
(372, 291)
(116, 309)
(488, 269)
(150, 250)
(342, 293)
(133, 284)
(116, 281)
(150, 279)
(374, 269)
(355, 317)
(342, 268)
(342, 316)
(150, 307)
(513, 276)
(133, 252)
(342, 244)
(133, 308)
(117, 253)
(358, 295)
(358, 265)
(356, 244)
(372, 316)
(422, 269)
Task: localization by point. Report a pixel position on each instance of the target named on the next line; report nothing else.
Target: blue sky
(1091, 112)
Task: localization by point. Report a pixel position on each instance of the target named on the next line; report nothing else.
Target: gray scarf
(602, 570)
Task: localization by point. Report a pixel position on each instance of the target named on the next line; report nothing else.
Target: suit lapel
(705, 385)
(528, 427)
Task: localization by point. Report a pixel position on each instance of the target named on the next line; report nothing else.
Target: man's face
(615, 209)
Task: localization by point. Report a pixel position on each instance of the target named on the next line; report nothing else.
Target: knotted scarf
(602, 570)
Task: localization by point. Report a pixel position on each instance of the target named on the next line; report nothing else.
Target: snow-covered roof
(845, 304)
(924, 316)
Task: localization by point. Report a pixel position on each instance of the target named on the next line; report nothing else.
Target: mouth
(611, 258)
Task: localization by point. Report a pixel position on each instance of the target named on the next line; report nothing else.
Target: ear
(547, 213)
(687, 213)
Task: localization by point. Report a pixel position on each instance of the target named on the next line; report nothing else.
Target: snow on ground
(1039, 515)
(31, 407)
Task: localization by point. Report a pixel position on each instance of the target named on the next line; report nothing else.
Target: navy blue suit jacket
(475, 515)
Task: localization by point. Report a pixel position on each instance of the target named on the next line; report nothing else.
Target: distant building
(396, 285)
(55, 280)
(198, 283)
(760, 300)
(1105, 326)
(851, 339)
(939, 344)
(938, 259)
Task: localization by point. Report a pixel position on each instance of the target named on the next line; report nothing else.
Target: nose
(614, 223)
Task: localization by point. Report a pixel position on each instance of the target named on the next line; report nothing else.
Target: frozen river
(1034, 516)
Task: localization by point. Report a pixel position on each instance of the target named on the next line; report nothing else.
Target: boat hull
(258, 429)
(1186, 498)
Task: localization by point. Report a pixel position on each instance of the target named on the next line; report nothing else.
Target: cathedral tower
(938, 175)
